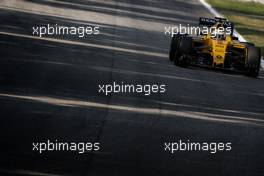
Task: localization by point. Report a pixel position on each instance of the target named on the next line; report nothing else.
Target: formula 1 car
(215, 50)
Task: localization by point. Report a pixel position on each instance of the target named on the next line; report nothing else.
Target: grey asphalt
(40, 80)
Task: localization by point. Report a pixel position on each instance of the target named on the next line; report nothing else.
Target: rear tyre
(184, 51)
(253, 61)
(173, 47)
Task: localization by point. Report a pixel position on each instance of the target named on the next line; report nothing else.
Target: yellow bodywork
(219, 47)
(218, 52)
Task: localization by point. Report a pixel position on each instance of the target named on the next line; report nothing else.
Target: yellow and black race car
(215, 50)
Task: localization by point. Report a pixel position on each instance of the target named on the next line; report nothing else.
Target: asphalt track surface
(49, 90)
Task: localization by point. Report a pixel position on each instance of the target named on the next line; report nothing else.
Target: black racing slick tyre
(184, 51)
(173, 46)
(253, 61)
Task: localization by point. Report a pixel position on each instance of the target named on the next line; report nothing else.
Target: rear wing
(212, 21)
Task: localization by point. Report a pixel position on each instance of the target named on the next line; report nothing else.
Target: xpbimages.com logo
(80, 147)
(197, 30)
(212, 147)
(53, 30)
(117, 88)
